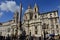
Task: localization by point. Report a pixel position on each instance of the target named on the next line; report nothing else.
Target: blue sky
(8, 7)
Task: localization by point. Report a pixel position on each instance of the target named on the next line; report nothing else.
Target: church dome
(28, 10)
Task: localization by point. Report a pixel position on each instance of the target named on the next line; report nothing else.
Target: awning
(52, 35)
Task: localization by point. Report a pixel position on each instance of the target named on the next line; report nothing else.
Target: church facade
(34, 22)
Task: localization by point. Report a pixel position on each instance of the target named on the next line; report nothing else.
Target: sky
(8, 7)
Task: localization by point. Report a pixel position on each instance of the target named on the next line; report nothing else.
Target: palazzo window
(47, 26)
(56, 26)
(54, 13)
(8, 29)
(50, 15)
(36, 28)
(55, 20)
(52, 26)
(57, 31)
(42, 16)
(51, 21)
(36, 31)
(53, 31)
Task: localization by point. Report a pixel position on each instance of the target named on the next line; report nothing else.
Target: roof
(8, 21)
(49, 12)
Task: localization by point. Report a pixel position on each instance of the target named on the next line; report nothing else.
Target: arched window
(30, 32)
(36, 30)
(35, 9)
(35, 16)
(8, 29)
(31, 16)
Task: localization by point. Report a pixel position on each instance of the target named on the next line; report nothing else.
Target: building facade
(34, 23)
(5, 28)
(10, 27)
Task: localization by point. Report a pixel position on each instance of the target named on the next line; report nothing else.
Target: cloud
(1, 13)
(9, 6)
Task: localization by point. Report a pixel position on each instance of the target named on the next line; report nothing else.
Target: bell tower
(35, 9)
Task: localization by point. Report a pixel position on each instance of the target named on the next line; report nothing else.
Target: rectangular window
(55, 20)
(35, 32)
(43, 16)
(47, 26)
(56, 26)
(36, 29)
(52, 26)
(30, 33)
(46, 16)
(8, 29)
(51, 21)
(57, 31)
(53, 31)
(44, 26)
(54, 13)
(40, 23)
(50, 15)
